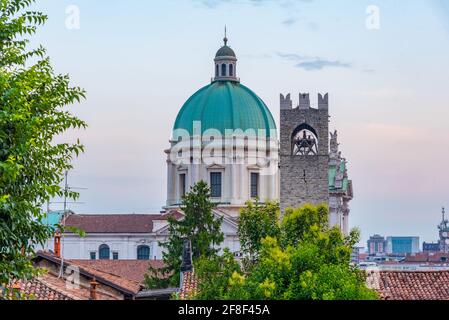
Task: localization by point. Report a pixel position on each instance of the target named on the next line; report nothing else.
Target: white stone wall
(79, 248)
(75, 247)
(236, 168)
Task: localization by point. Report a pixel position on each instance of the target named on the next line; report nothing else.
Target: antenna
(443, 211)
(225, 37)
(67, 188)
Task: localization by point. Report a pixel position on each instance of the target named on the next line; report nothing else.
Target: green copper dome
(225, 105)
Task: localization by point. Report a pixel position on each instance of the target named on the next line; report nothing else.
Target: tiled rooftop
(189, 286)
(410, 285)
(133, 270)
(117, 223)
(49, 287)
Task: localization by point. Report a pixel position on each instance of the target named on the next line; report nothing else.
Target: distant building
(444, 234)
(430, 247)
(402, 245)
(123, 236)
(442, 245)
(376, 245)
(428, 258)
(356, 254)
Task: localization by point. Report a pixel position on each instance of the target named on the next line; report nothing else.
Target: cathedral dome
(226, 105)
(209, 142)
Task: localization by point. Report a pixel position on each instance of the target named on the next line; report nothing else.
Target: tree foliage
(199, 225)
(308, 260)
(255, 223)
(33, 101)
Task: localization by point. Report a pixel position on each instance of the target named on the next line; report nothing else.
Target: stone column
(171, 183)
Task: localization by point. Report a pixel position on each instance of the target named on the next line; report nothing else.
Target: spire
(225, 39)
(225, 62)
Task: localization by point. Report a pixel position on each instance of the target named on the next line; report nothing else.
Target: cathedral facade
(226, 135)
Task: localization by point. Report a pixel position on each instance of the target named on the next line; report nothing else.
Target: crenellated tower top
(304, 102)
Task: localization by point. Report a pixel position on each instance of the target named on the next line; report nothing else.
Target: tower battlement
(286, 102)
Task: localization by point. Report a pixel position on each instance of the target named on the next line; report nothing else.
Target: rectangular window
(182, 185)
(93, 256)
(215, 184)
(115, 256)
(254, 185)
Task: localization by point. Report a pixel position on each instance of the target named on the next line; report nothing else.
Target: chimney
(186, 265)
(93, 289)
(57, 244)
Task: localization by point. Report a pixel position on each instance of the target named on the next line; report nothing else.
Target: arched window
(231, 70)
(216, 70)
(304, 141)
(143, 253)
(104, 252)
(223, 70)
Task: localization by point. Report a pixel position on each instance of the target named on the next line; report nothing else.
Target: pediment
(182, 167)
(215, 167)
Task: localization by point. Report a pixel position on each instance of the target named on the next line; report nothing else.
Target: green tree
(33, 101)
(308, 261)
(256, 222)
(218, 270)
(199, 225)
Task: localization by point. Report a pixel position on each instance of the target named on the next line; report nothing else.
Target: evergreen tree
(198, 225)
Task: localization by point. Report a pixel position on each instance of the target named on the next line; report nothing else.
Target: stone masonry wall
(304, 179)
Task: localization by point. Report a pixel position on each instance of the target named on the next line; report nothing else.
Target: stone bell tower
(304, 152)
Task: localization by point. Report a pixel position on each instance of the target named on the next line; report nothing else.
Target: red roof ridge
(125, 285)
(409, 271)
(115, 214)
(80, 264)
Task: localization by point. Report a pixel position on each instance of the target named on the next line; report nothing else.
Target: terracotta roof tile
(189, 286)
(410, 285)
(120, 283)
(432, 257)
(118, 223)
(113, 223)
(49, 287)
(133, 270)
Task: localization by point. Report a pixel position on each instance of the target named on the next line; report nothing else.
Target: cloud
(319, 64)
(282, 3)
(291, 56)
(289, 22)
(313, 25)
(312, 63)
